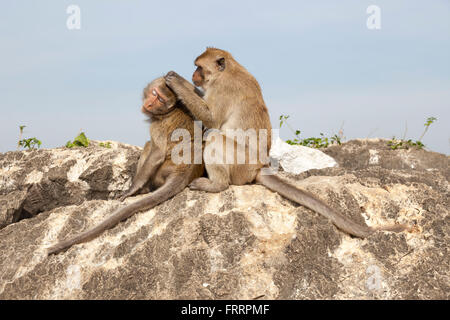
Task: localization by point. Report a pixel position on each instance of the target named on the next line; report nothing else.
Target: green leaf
(430, 120)
(105, 145)
(30, 143)
(80, 141)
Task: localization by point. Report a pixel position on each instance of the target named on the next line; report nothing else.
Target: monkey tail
(173, 185)
(310, 201)
(393, 228)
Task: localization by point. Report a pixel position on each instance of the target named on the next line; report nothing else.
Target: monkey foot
(205, 184)
(125, 195)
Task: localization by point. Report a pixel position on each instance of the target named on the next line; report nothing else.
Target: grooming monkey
(155, 167)
(233, 100)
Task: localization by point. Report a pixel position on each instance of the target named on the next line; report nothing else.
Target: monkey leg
(144, 155)
(218, 179)
(151, 159)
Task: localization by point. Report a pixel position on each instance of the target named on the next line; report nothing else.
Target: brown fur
(155, 168)
(233, 100)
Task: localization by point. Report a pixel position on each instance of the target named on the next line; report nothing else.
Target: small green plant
(427, 124)
(105, 144)
(20, 136)
(80, 141)
(395, 144)
(30, 143)
(336, 139)
(321, 142)
(283, 119)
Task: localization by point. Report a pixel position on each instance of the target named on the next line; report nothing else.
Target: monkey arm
(188, 94)
(151, 159)
(144, 155)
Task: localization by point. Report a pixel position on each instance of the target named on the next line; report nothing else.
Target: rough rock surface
(238, 244)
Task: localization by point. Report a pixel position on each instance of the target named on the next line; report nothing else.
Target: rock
(238, 244)
(297, 159)
(358, 154)
(37, 181)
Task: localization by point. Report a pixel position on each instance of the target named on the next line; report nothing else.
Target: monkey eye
(161, 99)
(154, 92)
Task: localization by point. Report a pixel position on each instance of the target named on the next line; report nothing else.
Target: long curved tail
(173, 185)
(307, 199)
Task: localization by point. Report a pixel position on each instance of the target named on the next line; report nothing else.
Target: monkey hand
(174, 81)
(171, 75)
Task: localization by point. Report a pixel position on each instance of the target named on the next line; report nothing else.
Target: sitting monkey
(155, 167)
(233, 101)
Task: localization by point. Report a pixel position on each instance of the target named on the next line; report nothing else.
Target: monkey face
(158, 98)
(155, 101)
(209, 65)
(198, 77)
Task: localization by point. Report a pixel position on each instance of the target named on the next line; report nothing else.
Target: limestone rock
(297, 159)
(238, 244)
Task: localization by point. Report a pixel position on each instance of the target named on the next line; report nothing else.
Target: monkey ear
(220, 64)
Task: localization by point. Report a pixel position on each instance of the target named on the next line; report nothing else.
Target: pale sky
(316, 61)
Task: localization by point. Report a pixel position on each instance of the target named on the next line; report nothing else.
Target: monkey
(155, 169)
(233, 100)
